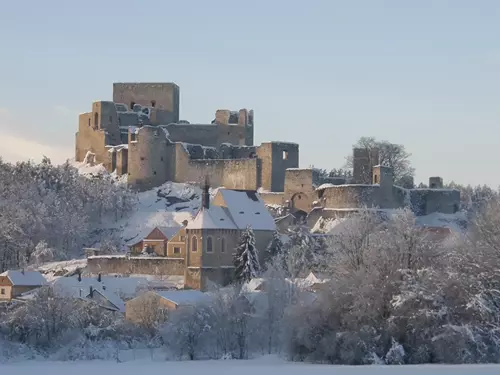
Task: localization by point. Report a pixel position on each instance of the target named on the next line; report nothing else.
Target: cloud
(19, 148)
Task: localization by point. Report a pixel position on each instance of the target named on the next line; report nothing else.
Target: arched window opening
(96, 120)
(210, 248)
(194, 244)
(223, 245)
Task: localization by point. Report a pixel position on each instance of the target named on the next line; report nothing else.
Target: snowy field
(253, 367)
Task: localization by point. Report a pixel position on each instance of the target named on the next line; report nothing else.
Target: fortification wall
(150, 158)
(230, 151)
(212, 135)
(90, 139)
(427, 201)
(350, 196)
(232, 174)
(135, 265)
(271, 198)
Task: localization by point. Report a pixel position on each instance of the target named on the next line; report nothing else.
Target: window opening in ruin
(96, 120)
(194, 243)
(110, 118)
(153, 103)
(2, 291)
(433, 186)
(142, 157)
(132, 105)
(285, 155)
(132, 137)
(223, 245)
(154, 172)
(299, 197)
(89, 122)
(209, 245)
(177, 250)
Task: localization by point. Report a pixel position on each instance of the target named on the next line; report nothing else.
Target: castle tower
(436, 182)
(163, 98)
(364, 160)
(384, 177)
(276, 158)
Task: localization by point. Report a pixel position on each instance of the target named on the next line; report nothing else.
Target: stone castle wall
(135, 265)
(161, 96)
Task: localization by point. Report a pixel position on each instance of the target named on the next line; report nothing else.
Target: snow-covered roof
(184, 297)
(113, 298)
(125, 286)
(253, 285)
(241, 209)
(214, 217)
(248, 208)
(25, 278)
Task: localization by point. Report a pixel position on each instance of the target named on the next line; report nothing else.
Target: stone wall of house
(135, 265)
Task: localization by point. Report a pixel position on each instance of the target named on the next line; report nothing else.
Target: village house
(15, 283)
(152, 303)
(161, 241)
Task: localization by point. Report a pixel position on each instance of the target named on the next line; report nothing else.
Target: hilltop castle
(139, 134)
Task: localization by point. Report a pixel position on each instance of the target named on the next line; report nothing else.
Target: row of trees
(394, 295)
(49, 211)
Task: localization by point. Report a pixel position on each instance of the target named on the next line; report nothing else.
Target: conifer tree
(275, 247)
(246, 258)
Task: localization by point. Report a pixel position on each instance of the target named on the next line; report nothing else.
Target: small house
(161, 241)
(163, 300)
(15, 283)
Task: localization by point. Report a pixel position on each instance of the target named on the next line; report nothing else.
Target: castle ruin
(139, 134)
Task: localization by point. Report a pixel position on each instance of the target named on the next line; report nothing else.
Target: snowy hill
(167, 205)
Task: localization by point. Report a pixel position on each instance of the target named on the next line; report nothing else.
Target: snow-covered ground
(263, 366)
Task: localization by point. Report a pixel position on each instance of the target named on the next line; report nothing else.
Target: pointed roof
(239, 209)
(25, 278)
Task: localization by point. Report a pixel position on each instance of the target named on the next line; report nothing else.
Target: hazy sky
(321, 73)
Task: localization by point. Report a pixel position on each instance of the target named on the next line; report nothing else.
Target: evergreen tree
(246, 258)
(275, 247)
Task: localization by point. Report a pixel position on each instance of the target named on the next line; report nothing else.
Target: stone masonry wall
(150, 158)
(207, 135)
(276, 158)
(163, 96)
(135, 265)
(232, 174)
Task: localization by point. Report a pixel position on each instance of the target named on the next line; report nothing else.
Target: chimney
(79, 275)
(205, 197)
(91, 294)
(99, 278)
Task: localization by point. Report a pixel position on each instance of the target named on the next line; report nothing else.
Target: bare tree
(391, 155)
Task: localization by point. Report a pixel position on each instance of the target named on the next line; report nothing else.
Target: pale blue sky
(320, 73)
